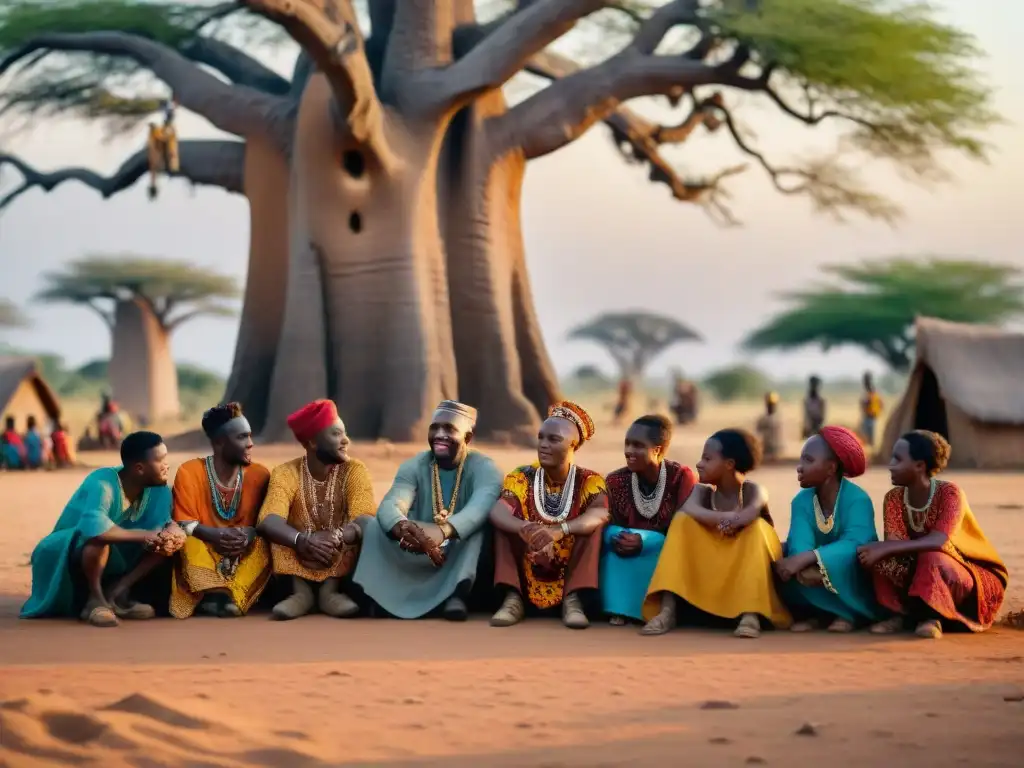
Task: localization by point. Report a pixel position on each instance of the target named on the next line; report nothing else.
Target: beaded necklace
(553, 507)
(441, 511)
(313, 510)
(826, 524)
(219, 490)
(916, 523)
(648, 506)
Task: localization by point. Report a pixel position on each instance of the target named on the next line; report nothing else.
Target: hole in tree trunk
(353, 163)
(355, 222)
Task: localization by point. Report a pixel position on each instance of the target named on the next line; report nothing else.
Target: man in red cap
(424, 552)
(315, 513)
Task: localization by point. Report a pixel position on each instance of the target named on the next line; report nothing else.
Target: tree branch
(238, 67)
(235, 109)
(505, 51)
(105, 316)
(208, 162)
(328, 31)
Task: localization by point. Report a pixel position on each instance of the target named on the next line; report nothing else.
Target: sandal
(841, 626)
(800, 627)
(749, 627)
(617, 621)
(929, 630)
(99, 615)
(890, 626)
(134, 611)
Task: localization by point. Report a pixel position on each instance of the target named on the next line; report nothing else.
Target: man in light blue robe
(113, 532)
(424, 548)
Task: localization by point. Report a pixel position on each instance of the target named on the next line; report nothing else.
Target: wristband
(190, 527)
(565, 528)
(295, 543)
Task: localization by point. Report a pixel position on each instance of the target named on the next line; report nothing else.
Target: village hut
(967, 384)
(24, 393)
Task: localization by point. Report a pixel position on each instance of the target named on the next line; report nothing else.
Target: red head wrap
(847, 448)
(310, 419)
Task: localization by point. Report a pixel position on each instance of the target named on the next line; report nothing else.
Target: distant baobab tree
(11, 316)
(634, 339)
(142, 301)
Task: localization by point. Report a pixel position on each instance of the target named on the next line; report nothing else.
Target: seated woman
(718, 554)
(831, 517)
(642, 497)
(935, 564)
(548, 521)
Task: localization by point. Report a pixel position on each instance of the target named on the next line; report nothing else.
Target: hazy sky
(590, 220)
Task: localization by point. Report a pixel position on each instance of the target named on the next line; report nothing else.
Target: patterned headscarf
(570, 411)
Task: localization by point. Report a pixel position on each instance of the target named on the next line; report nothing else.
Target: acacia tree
(874, 305)
(406, 278)
(634, 339)
(142, 302)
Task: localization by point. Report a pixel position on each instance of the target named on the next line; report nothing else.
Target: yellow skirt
(195, 573)
(721, 575)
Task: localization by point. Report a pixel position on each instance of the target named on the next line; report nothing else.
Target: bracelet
(295, 543)
(565, 528)
(189, 527)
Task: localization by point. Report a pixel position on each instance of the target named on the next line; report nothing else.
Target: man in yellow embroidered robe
(316, 510)
(224, 565)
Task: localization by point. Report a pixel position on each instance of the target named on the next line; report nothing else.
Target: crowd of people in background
(653, 543)
(34, 449)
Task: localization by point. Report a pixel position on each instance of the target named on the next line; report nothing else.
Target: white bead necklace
(648, 506)
(565, 496)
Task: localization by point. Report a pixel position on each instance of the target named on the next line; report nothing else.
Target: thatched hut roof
(980, 369)
(14, 371)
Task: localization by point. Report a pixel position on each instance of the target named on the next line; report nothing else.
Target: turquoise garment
(33, 449)
(11, 456)
(95, 508)
(848, 593)
(624, 580)
(406, 584)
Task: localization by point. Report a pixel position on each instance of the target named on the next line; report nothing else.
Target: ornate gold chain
(312, 508)
(442, 512)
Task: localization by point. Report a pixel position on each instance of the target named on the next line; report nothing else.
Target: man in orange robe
(224, 564)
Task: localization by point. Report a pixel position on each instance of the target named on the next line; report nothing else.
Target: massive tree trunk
(502, 363)
(142, 373)
(265, 185)
(366, 320)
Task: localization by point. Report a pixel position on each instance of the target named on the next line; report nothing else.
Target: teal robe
(95, 508)
(847, 593)
(406, 584)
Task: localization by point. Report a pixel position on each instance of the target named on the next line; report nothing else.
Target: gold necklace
(312, 508)
(739, 501)
(441, 512)
(826, 524)
(915, 523)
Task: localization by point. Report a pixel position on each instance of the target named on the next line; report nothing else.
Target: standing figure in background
(684, 400)
(870, 410)
(109, 426)
(769, 428)
(814, 408)
(12, 448)
(625, 394)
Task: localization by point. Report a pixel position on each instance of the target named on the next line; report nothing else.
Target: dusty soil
(209, 692)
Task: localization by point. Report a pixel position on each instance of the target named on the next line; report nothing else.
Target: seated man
(116, 526)
(315, 513)
(425, 550)
(224, 564)
(548, 524)
(12, 449)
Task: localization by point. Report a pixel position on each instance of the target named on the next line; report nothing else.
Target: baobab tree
(142, 302)
(633, 339)
(406, 279)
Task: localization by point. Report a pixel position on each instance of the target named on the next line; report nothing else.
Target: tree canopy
(10, 315)
(175, 291)
(873, 305)
(737, 382)
(903, 85)
(634, 339)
